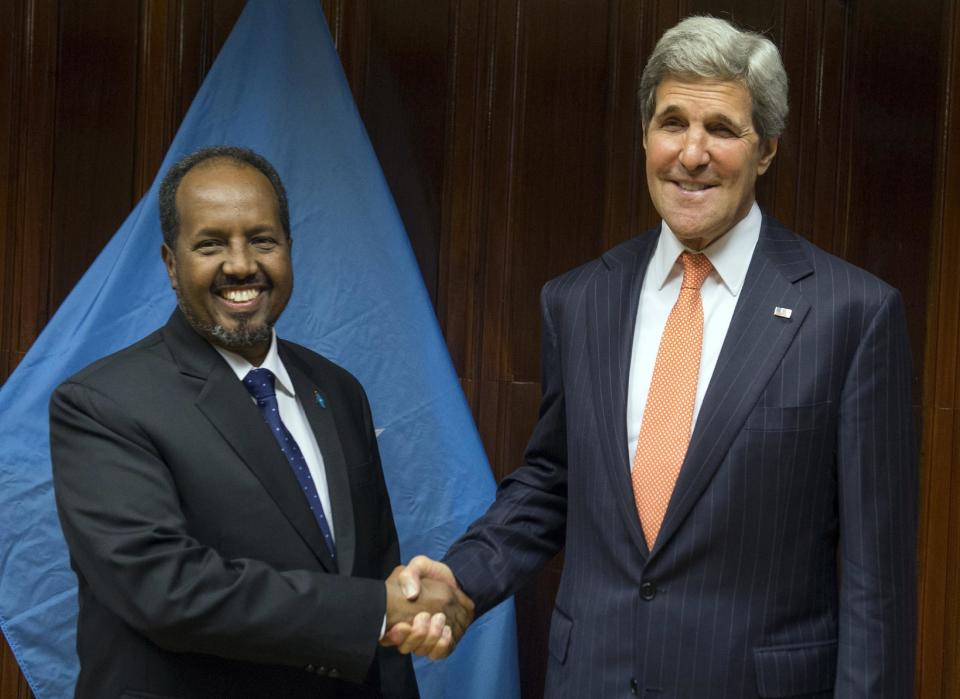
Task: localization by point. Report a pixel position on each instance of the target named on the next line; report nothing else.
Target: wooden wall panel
(938, 652)
(408, 70)
(893, 115)
(558, 162)
(94, 132)
(466, 157)
(25, 222)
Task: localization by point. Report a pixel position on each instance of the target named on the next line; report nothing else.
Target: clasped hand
(427, 613)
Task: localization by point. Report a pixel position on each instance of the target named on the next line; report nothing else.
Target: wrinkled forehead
(703, 95)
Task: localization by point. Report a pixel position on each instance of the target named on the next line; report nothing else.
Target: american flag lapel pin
(320, 401)
(781, 312)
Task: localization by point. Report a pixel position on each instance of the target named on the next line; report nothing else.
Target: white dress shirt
(293, 416)
(730, 256)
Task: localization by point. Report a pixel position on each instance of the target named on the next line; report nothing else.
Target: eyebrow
(672, 110)
(254, 230)
(667, 111)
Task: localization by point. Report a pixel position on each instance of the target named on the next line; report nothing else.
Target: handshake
(427, 613)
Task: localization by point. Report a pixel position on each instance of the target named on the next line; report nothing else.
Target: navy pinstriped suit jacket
(786, 561)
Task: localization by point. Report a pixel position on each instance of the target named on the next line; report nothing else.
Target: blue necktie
(260, 383)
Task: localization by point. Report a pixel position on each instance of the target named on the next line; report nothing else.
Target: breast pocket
(794, 418)
(795, 670)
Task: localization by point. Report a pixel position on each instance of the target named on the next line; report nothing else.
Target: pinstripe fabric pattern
(802, 457)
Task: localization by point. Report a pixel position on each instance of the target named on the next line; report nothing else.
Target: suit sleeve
(877, 473)
(129, 542)
(525, 526)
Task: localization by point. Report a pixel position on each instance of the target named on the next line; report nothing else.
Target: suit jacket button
(309, 668)
(634, 687)
(334, 673)
(648, 591)
(321, 670)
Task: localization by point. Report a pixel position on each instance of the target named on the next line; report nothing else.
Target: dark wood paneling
(938, 667)
(558, 162)
(893, 116)
(349, 22)
(408, 70)
(626, 210)
(465, 147)
(95, 132)
(25, 220)
(156, 107)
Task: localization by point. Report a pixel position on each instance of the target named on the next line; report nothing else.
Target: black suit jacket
(201, 570)
(785, 565)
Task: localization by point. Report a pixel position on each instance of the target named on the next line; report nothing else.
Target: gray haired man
(724, 447)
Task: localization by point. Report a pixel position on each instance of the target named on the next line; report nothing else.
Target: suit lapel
(322, 422)
(226, 404)
(611, 313)
(752, 350)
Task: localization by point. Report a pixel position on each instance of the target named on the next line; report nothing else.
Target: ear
(643, 128)
(170, 262)
(768, 149)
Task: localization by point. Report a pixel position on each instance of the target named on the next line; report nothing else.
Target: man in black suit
(220, 489)
(725, 448)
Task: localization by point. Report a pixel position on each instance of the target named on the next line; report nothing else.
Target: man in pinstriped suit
(784, 564)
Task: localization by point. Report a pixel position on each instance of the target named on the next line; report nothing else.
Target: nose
(240, 261)
(694, 153)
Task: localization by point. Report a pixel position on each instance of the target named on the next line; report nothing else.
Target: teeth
(689, 187)
(241, 295)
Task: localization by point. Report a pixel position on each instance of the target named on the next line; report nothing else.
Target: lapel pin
(320, 401)
(782, 312)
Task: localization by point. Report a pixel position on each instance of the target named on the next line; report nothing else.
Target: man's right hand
(443, 612)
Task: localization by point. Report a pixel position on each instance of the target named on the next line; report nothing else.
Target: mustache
(259, 278)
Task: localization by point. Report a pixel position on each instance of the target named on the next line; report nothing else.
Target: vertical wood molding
(508, 74)
(626, 207)
(156, 85)
(467, 148)
(27, 219)
(938, 667)
(349, 24)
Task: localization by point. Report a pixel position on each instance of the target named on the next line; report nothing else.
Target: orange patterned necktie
(666, 425)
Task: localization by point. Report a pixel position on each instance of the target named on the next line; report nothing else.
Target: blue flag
(277, 87)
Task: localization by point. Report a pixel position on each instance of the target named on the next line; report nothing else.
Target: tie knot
(260, 383)
(696, 268)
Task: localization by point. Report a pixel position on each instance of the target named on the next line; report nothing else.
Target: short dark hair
(170, 218)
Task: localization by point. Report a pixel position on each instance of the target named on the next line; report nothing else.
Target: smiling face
(231, 265)
(703, 157)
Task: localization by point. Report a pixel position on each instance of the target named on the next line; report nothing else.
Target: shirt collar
(241, 367)
(730, 254)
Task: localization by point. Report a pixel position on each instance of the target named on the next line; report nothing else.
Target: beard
(244, 335)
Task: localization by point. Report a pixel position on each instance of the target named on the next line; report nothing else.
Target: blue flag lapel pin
(320, 400)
